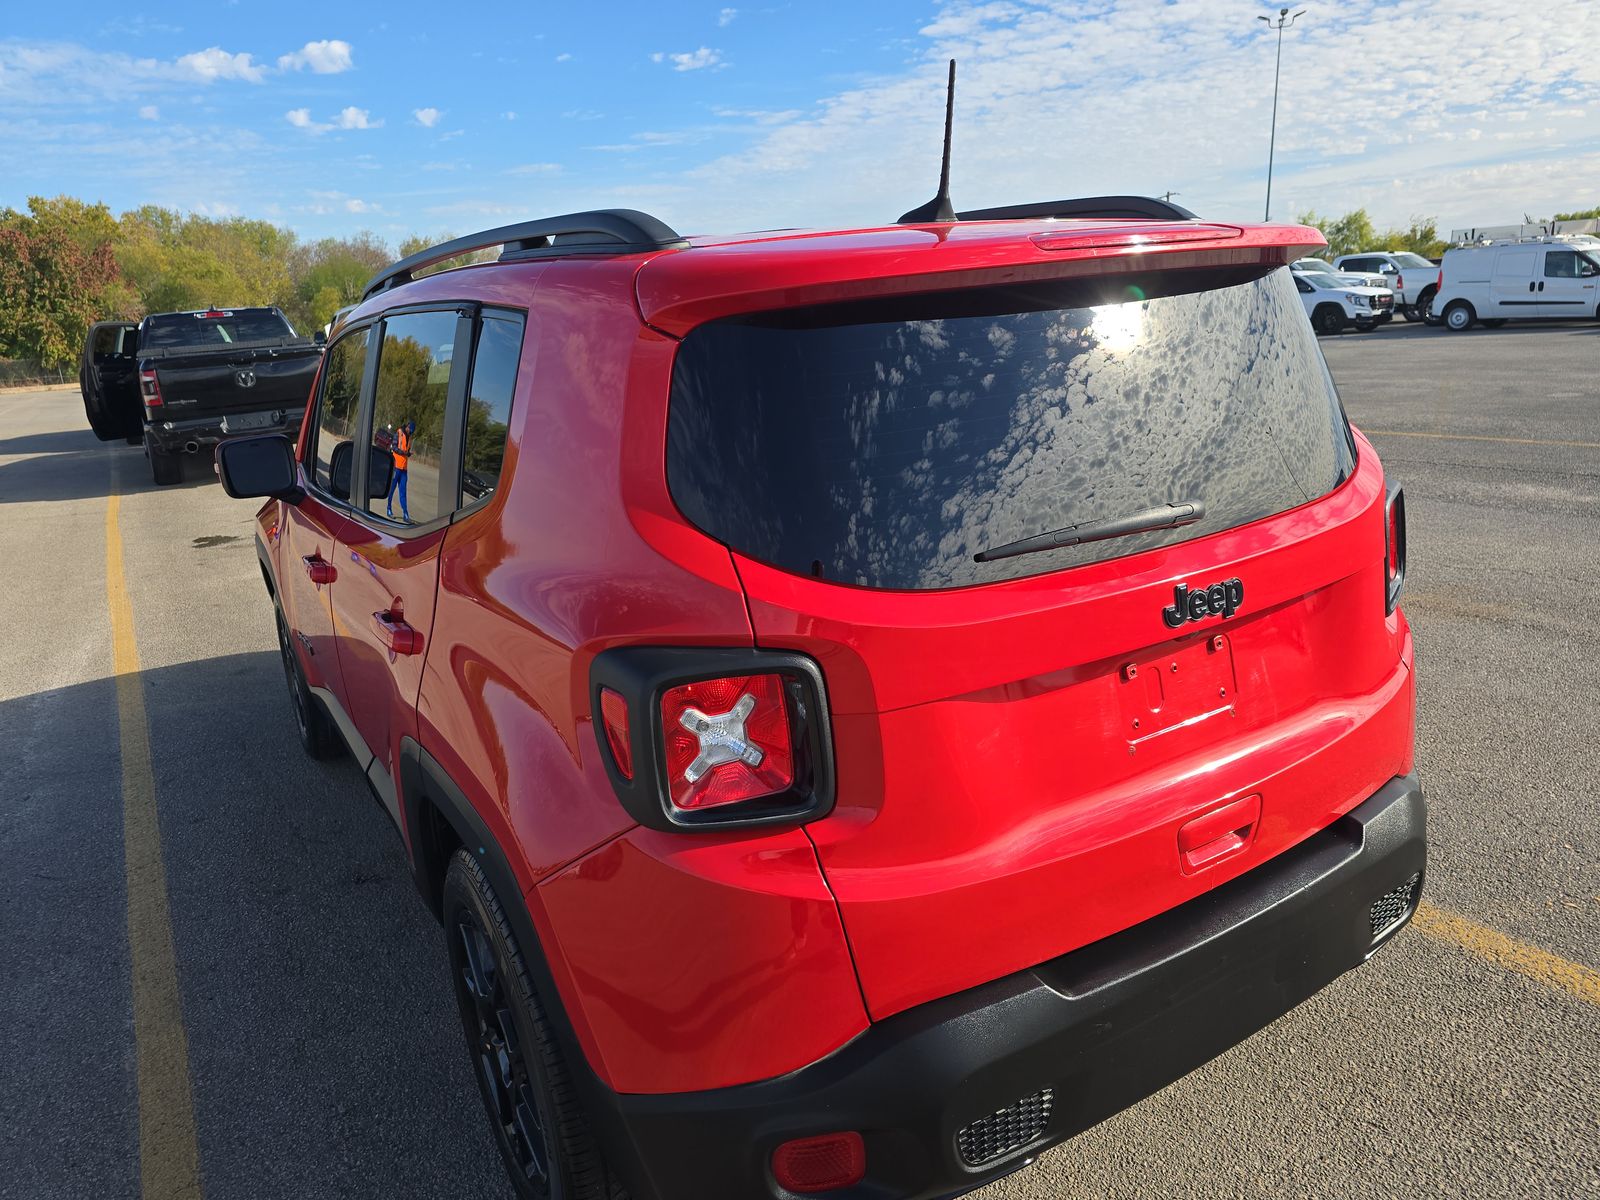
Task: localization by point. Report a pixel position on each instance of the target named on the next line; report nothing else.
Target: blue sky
(428, 118)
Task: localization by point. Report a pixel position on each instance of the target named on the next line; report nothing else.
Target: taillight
(1394, 544)
(1399, 283)
(150, 389)
(614, 712)
(820, 1164)
(713, 738)
(727, 740)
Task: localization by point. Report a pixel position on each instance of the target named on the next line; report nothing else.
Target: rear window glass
(886, 446)
(219, 327)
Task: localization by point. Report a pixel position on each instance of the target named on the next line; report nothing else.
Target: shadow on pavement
(76, 465)
(325, 1052)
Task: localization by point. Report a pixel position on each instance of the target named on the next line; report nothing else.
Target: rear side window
(494, 383)
(342, 375)
(886, 446)
(409, 411)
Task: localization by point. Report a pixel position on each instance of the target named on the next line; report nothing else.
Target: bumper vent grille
(1393, 907)
(1010, 1129)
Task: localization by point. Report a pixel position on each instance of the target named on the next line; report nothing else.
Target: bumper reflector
(1012, 1128)
(1394, 906)
(820, 1164)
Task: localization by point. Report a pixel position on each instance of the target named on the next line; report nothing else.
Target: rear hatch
(1039, 750)
(229, 361)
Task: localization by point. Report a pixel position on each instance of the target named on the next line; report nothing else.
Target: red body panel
(996, 804)
(704, 962)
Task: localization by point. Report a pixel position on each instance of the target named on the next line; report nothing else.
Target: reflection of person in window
(402, 459)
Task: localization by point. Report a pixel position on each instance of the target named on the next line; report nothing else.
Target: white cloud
(427, 117)
(356, 118)
(563, 58)
(726, 16)
(508, 116)
(149, 112)
(353, 205)
(538, 168)
(323, 58)
(215, 63)
(693, 60)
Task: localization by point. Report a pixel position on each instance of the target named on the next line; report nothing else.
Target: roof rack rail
(1143, 207)
(603, 231)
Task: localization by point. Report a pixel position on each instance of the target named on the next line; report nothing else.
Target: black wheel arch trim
(425, 785)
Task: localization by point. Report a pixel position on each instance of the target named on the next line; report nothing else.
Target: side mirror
(259, 466)
(320, 337)
(380, 473)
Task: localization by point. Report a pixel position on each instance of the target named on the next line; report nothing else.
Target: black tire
(1492, 322)
(318, 735)
(1329, 318)
(1425, 306)
(541, 1130)
(1458, 316)
(1412, 313)
(164, 468)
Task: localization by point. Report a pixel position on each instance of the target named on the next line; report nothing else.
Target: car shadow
(76, 465)
(324, 1047)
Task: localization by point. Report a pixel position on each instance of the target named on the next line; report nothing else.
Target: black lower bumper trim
(1102, 1028)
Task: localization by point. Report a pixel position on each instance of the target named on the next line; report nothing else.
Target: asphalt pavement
(322, 1047)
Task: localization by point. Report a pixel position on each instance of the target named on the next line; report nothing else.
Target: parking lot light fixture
(1284, 20)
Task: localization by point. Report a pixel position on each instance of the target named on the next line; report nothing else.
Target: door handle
(1530, 285)
(395, 635)
(1219, 834)
(319, 569)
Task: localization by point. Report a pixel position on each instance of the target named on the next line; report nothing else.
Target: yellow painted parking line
(1478, 437)
(169, 1157)
(1504, 951)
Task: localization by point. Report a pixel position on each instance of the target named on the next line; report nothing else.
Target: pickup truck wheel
(318, 736)
(1424, 307)
(1458, 316)
(539, 1126)
(1328, 318)
(165, 468)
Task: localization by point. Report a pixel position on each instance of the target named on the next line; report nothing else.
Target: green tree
(58, 275)
(330, 274)
(1586, 214)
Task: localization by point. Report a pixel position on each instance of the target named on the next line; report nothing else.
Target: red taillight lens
(820, 1164)
(727, 740)
(150, 387)
(614, 715)
(1394, 546)
(1399, 283)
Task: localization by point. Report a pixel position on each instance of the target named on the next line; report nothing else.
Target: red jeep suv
(864, 705)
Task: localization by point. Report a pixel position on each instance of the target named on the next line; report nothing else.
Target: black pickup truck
(181, 382)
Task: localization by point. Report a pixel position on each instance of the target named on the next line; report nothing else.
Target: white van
(1514, 280)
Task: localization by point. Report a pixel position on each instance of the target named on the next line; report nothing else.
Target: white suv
(1333, 306)
(1411, 277)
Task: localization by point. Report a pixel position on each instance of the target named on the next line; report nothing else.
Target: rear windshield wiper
(1166, 516)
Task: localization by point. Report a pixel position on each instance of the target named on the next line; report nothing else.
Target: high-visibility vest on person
(402, 451)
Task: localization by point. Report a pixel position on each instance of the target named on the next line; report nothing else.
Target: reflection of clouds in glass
(891, 453)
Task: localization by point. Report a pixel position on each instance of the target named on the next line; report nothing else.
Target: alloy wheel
(506, 1079)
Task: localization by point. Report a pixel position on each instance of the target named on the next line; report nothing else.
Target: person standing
(402, 461)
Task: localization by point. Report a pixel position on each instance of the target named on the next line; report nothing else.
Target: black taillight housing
(710, 739)
(1394, 544)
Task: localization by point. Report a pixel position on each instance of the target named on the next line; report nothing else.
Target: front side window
(1564, 264)
(494, 382)
(408, 415)
(343, 371)
(887, 444)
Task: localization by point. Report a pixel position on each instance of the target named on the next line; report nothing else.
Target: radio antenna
(939, 208)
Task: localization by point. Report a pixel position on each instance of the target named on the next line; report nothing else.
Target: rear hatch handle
(1165, 516)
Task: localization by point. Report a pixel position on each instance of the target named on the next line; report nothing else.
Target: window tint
(494, 381)
(1413, 262)
(886, 445)
(408, 413)
(218, 327)
(343, 371)
(1561, 264)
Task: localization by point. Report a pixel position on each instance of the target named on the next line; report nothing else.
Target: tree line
(65, 264)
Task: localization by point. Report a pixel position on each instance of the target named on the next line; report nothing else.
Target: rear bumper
(173, 437)
(1100, 1029)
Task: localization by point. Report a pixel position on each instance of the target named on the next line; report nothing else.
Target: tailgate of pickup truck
(239, 380)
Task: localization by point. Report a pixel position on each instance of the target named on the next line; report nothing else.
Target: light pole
(1283, 22)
